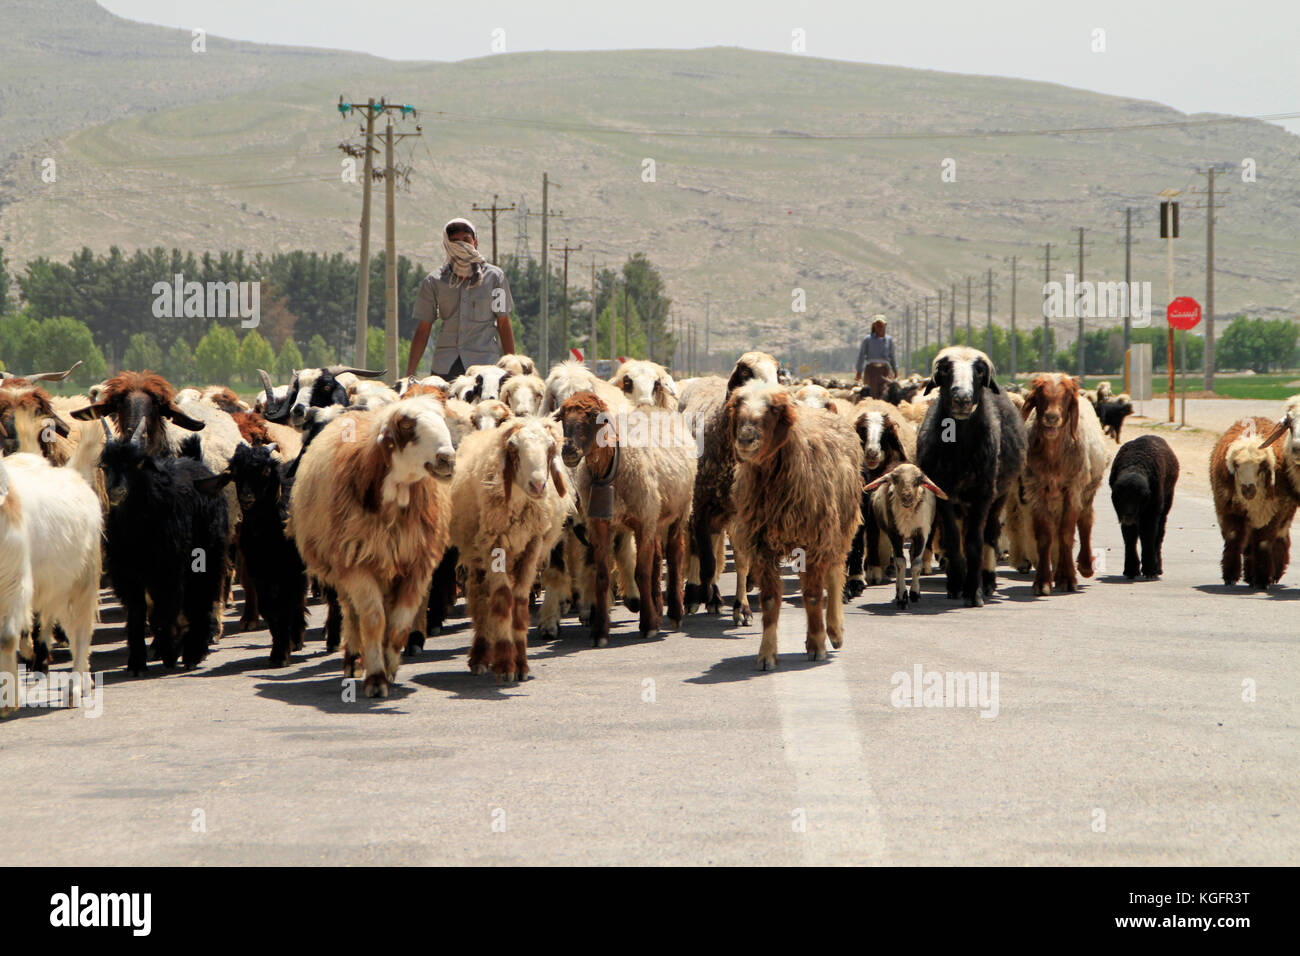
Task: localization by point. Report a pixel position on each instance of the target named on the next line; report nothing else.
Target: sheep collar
(601, 503)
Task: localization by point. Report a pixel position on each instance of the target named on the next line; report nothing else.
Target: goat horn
(108, 433)
(1282, 428)
(137, 437)
(51, 376)
(337, 370)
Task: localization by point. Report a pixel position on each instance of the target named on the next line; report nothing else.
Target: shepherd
(472, 298)
(876, 360)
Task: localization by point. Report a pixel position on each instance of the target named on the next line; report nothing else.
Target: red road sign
(1184, 313)
(577, 354)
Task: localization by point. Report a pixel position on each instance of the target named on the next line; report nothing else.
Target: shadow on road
(326, 695)
(732, 669)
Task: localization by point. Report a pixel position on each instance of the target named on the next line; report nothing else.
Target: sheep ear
(508, 469)
(938, 492)
(557, 476)
(832, 407)
(872, 486)
(211, 486)
(91, 412)
(180, 419)
(1282, 428)
(784, 421)
(991, 385)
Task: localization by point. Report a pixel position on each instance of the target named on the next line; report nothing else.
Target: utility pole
(988, 325)
(613, 325)
(591, 346)
(952, 314)
(925, 330)
(371, 110)
(1012, 371)
(938, 325)
(493, 210)
(1209, 206)
(907, 338)
(708, 301)
(1047, 330)
(545, 357)
(1169, 227)
(1128, 279)
(390, 253)
(970, 338)
(564, 321)
(1079, 279)
(627, 324)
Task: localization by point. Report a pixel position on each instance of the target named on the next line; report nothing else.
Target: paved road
(1123, 700)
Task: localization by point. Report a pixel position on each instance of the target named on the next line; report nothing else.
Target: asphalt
(1121, 736)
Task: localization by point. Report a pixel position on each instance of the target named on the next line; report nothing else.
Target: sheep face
(314, 388)
(879, 437)
(757, 366)
(646, 383)
(1055, 397)
(584, 420)
(961, 375)
(489, 414)
(524, 394)
(488, 380)
(1250, 465)
(517, 364)
(528, 457)
(1129, 495)
(907, 486)
(759, 418)
(133, 398)
(416, 436)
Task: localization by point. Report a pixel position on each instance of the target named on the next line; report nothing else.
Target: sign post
(1169, 232)
(1183, 313)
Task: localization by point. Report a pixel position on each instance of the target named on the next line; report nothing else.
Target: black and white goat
(903, 501)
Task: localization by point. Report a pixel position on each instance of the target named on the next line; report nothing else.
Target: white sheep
(646, 383)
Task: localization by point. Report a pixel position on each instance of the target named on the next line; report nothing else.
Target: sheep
(517, 364)
(887, 441)
(488, 380)
(370, 395)
(50, 530)
(311, 388)
(711, 507)
(509, 501)
(797, 494)
(1142, 479)
(435, 381)
(166, 541)
(1112, 414)
(638, 486)
(646, 383)
(568, 379)
(1065, 460)
(524, 394)
(461, 387)
(488, 414)
(903, 505)
(812, 396)
(274, 395)
(51, 438)
(369, 514)
(971, 444)
(1255, 502)
(274, 570)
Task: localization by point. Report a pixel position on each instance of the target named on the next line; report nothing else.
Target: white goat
(903, 501)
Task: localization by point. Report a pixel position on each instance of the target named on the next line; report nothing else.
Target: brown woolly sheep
(369, 512)
(1064, 464)
(1255, 503)
(509, 500)
(797, 494)
(640, 466)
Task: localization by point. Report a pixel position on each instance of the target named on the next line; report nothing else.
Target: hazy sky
(1194, 55)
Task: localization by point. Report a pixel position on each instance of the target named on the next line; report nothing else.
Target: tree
(217, 356)
(375, 358)
(276, 319)
(18, 335)
(288, 361)
(254, 353)
(5, 282)
(62, 342)
(179, 364)
(1258, 344)
(142, 353)
(319, 354)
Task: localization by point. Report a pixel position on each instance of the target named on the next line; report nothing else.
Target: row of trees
(306, 300)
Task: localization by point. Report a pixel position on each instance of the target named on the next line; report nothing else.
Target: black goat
(972, 444)
(166, 538)
(1112, 414)
(1142, 479)
(275, 570)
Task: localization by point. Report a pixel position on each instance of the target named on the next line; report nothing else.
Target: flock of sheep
(390, 502)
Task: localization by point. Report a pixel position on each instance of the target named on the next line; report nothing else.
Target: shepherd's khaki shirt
(468, 313)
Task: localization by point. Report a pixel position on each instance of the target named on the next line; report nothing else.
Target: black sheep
(275, 570)
(166, 538)
(1142, 479)
(971, 444)
(1112, 413)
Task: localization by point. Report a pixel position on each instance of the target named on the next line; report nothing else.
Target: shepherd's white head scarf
(466, 261)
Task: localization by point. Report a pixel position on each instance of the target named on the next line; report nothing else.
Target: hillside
(750, 200)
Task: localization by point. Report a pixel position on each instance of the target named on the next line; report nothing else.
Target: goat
(971, 444)
(310, 388)
(887, 441)
(903, 504)
(369, 513)
(274, 570)
(166, 540)
(509, 502)
(1112, 413)
(1064, 464)
(50, 530)
(1142, 479)
(1255, 503)
(797, 493)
